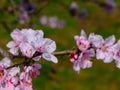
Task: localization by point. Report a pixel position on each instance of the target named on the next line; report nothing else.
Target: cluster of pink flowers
(31, 42)
(96, 46)
(13, 79)
(33, 46)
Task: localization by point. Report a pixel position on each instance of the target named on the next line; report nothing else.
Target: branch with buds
(31, 46)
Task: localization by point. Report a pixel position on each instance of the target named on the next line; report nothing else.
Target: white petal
(40, 33)
(83, 33)
(50, 45)
(87, 64)
(27, 49)
(100, 54)
(14, 51)
(96, 40)
(110, 40)
(11, 44)
(76, 37)
(30, 34)
(50, 57)
(15, 33)
(6, 62)
(91, 36)
(108, 57)
(13, 71)
(76, 66)
(91, 52)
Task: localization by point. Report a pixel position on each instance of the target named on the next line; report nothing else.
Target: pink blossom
(33, 70)
(32, 35)
(103, 47)
(25, 81)
(30, 42)
(83, 60)
(82, 42)
(46, 47)
(17, 37)
(27, 49)
(8, 86)
(12, 72)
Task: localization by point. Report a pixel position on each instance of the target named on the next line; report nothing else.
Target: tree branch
(61, 53)
(5, 53)
(14, 65)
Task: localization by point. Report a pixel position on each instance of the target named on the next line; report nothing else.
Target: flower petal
(40, 33)
(6, 62)
(76, 66)
(91, 52)
(50, 57)
(17, 35)
(86, 64)
(110, 40)
(49, 45)
(108, 57)
(14, 51)
(27, 49)
(83, 33)
(99, 54)
(96, 40)
(11, 44)
(13, 71)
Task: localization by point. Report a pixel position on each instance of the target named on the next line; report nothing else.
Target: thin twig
(5, 53)
(61, 53)
(14, 65)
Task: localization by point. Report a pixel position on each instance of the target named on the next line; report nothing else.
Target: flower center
(40, 49)
(82, 45)
(103, 48)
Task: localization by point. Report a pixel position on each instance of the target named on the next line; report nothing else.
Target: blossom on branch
(82, 42)
(103, 47)
(30, 42)
(81, 58)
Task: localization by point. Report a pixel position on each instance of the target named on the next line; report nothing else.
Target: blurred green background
(61, 76)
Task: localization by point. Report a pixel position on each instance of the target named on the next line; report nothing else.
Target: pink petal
(110, 40)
